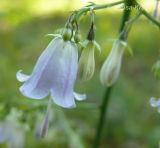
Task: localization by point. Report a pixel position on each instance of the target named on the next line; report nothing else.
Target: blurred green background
(131, 122)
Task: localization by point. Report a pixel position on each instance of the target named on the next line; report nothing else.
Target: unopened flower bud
(112, 65)
(77, 37)
(67, 33)
(87, 61)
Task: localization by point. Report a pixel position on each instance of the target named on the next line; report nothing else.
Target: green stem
(103, 109)
(96, 7)
(146, 14)
(126, 14)
(102, 117)
(107, 5)
(133, 3)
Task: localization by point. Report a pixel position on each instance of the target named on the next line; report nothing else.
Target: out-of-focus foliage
(156, 69)
(131, 122)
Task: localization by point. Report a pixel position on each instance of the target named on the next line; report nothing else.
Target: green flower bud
(112, 65)
(67, 33)
(77, 37)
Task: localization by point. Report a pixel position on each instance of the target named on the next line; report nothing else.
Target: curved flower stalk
(87, 61)
(111, 68)
(155, 103)
(54, 73)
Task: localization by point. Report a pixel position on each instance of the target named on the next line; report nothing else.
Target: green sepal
(129, 50)
(53, 35)
(97, 46)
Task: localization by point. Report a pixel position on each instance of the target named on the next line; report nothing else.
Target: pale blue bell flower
(155, 103)
(54, 73)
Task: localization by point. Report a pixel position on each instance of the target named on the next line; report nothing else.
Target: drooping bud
(111, 68)
(67, 33)
(87, 61)
(77, 37)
